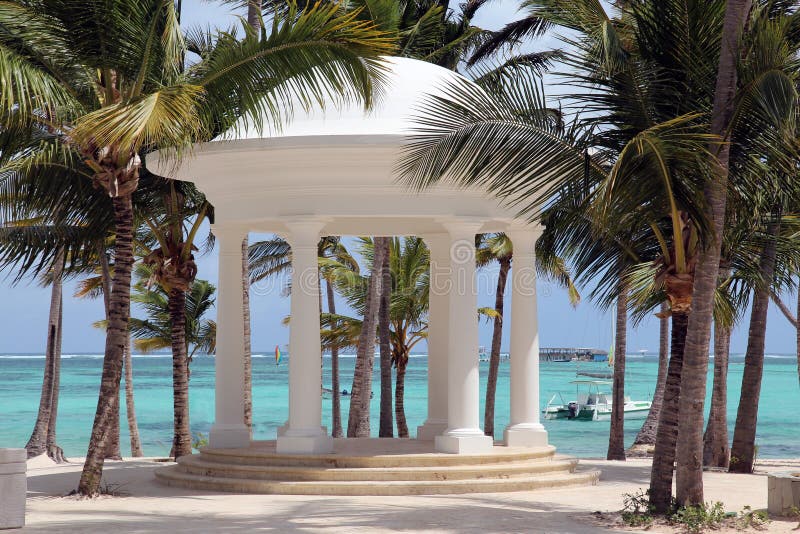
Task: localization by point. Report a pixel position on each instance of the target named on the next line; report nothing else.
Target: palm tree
(358, 423)
(109, 82)
(616, 435)
(491, 247)
(716, 452)
(644, 91)
(92, 287)
(44, 430)
(739, 27)
(646, 437)
(27, 244)
(177, 211)
(155, 332)
(386, 423)
(743, 447)
(409, 262)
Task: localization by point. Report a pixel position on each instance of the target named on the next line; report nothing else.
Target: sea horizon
(21, 379)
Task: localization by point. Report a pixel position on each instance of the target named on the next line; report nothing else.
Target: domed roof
(407, 83)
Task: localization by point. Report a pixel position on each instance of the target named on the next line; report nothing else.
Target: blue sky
(24, 308)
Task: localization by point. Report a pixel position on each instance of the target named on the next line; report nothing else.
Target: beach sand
(146, 506)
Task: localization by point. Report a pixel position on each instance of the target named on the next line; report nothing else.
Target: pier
(569, 354)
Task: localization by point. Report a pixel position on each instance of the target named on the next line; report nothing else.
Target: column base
(224, 436)
(464, 442)
(430, 429)
(525, 435)
(302, 442)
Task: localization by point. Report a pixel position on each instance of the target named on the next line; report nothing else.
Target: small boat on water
(593, 403)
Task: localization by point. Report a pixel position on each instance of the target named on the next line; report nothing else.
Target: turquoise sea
(20, 385)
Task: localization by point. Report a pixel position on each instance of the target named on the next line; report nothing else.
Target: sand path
(149, 507)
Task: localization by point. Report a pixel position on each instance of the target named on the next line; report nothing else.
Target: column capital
(230, 230)
(524, 237)
(305, 230)
(229, 238)
(461, 227)
(437, 243)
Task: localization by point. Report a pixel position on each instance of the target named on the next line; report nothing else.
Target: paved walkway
(149, 507)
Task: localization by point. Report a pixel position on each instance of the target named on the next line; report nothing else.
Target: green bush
(636, 510)
(200, 440)
(697, 518)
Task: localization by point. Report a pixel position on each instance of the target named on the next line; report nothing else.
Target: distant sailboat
(277, 355)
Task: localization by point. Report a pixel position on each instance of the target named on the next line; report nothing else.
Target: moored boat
(593, 403)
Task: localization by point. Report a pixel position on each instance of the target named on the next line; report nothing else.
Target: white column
(463, 434)
(524, 429)
(304, 434)
(229, 430)
(438, 327)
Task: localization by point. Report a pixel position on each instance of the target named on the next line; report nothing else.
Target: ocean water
(21, 375)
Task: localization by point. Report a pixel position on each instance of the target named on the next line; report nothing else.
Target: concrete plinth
(458, 442)
(289, 444)
(229, 436)
(13, 487)
(783, 493)
(430, 429)
(525, 435)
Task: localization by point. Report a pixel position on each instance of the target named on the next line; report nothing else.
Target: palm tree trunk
(253, 12)
(336, 402)
(798, 334)
(616, 436)
(689, 473)
(647, 434)
(399, 395)
(182, 442)
(116, 338)
(716, 452)
(248, 357)
(358, 424)
(133, 426)
(497, 338)
(667, 433)
(744, 434)
(113, 451)
(54, 452)
(386, 429)
(37, 443)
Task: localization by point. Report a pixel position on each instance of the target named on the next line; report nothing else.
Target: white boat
(593, 403)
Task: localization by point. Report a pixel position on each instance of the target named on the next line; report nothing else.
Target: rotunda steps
(197, 466)
(257, 471)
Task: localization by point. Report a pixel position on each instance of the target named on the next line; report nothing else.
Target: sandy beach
(146, 506)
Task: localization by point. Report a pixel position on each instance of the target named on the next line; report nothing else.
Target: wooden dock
(569, 354)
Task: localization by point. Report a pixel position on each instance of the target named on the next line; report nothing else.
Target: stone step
(201, 466)
(174, 476)
(268, 456)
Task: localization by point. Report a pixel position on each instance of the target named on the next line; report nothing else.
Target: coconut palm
(36, 245)
(764, 24)
(428, 30)
(109, 80)
(386, 422)
(177, 211)
(409, 280)
(645, 92)
(155, 332)
(96, 285)
(490, 248)
(646, 437)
